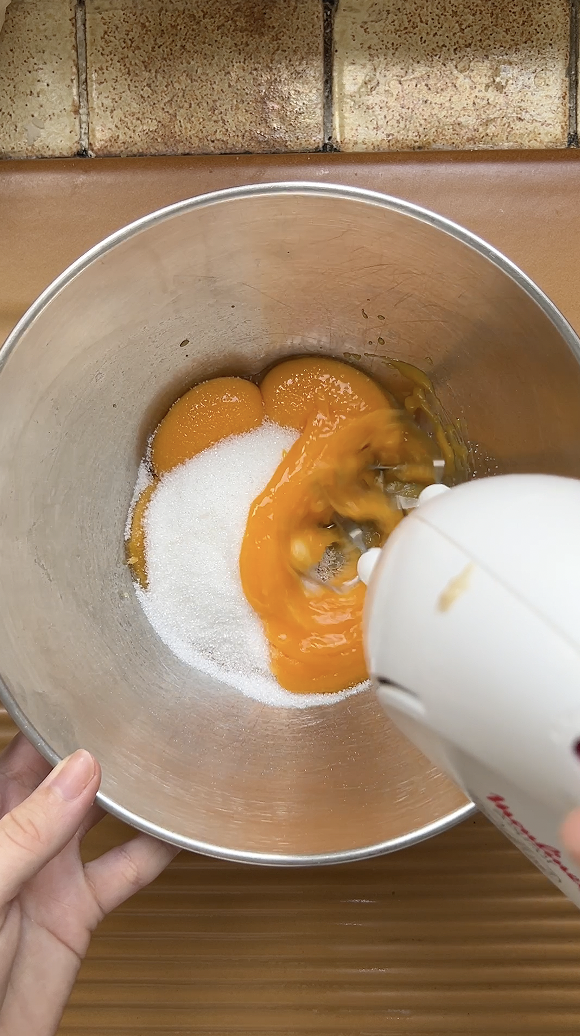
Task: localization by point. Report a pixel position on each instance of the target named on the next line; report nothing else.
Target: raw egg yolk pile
(207, 413)
(347, 425)
(204, 415)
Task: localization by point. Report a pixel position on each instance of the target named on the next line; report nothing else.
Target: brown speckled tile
(3, 6)
(201, 76)
(38, 80)
(451, 74)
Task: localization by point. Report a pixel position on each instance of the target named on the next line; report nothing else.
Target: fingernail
(70, 778)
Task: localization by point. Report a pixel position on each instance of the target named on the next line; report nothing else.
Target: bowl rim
(241, 855)
(291, 188)
(294, 187)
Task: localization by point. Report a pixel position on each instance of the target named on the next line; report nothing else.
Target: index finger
(126, 869)
(24, 766)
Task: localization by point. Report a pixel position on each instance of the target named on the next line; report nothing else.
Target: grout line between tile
(573, 76)
(328, 13)
(81, 34)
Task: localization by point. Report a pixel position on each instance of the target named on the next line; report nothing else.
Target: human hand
(49, 902)
(570, 834)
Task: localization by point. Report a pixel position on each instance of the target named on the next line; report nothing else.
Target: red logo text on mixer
(549, 851)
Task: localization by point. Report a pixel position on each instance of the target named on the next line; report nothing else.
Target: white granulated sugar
(194, 528)
(144, 479)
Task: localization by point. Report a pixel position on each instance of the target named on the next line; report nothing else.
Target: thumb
(570, 834)
(36, 830)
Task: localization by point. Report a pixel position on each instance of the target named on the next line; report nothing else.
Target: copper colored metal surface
(458, 935)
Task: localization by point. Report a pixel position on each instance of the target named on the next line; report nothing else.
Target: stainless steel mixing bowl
(247, 276)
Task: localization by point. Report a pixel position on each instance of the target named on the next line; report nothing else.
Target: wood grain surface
(459, 935)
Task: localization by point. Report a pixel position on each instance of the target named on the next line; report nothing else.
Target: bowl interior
(246, 279)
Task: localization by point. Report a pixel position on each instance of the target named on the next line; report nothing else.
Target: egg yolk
(312, 615)
(207, 413)
(135, 545)
(315, 630)
(291, 389)
(348, 425)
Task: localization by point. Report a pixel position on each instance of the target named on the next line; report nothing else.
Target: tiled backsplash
(451, 73)
(130, 77)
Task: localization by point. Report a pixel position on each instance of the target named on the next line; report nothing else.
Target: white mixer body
(472, 630)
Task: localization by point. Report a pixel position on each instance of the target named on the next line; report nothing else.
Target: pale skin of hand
(570, 835)
(49, 902)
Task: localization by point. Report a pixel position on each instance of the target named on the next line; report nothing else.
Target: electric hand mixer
(472, 631)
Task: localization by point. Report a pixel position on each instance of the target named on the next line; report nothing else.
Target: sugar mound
(194, 528)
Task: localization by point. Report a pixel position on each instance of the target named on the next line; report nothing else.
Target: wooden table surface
(459, 935)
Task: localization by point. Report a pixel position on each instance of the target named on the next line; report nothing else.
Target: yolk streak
(135, 545)
(315, 631)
